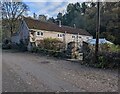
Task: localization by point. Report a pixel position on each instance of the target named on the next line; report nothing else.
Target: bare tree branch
(11, 11)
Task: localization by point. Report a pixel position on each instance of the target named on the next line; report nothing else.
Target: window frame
(60, 35)
(73, 36)
(39, 33)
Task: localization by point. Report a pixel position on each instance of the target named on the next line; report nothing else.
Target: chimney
(59, 23)
(74, 26)
(34, 16)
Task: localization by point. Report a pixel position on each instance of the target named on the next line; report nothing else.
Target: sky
(49, 8)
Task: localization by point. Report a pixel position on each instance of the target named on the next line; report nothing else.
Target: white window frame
(60, 35)
(40, 33)
(73, 36)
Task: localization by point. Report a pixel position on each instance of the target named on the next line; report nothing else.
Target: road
(28, 72)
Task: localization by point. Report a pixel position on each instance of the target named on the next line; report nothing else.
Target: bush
(6, 44)
(104, 47)
(51, 44)
(105, 60)
(114, 48)
(35, 49)
(53, 53)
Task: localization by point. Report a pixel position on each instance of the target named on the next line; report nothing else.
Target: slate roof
(40, 25)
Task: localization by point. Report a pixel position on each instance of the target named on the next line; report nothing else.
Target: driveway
(28, 72)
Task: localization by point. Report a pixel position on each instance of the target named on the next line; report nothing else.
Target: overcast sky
(50, 9)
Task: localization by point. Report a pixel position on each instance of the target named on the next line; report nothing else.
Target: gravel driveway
(36, 73)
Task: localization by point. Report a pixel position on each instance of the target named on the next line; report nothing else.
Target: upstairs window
(60, 35)
(73, 36)
(39, 33)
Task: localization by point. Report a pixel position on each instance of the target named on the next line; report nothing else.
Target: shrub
(51, 44)
(114, 48)
(34, 49)
(6, 44)
(105, 60)
(104, 47)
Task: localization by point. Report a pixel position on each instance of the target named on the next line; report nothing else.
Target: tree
(84, 7)
(59, 16)
(84, 15)
(93, 4)
(34, 15)
(51, 20)
(11, 12)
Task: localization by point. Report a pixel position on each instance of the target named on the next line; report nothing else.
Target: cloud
(50, 9)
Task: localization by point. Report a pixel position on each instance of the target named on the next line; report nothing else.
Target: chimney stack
(74, 26)
(59, 23)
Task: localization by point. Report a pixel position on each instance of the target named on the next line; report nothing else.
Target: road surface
(28, 72)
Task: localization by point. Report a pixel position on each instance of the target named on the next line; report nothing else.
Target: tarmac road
(27, 72)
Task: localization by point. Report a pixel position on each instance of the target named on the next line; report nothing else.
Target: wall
(15, 39)
(22, 33)
(67, 38)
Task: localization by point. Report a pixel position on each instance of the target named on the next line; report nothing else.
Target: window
(79, 37)
(38, 33)
(41, 33)
(73, 36)
(59, 35)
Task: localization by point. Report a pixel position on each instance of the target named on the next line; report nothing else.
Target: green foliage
(104, 47)
(105, 60)
(110, 47)
(83, 15)
(114, 48)
(34, 49)
(51, 44)
(102, 62)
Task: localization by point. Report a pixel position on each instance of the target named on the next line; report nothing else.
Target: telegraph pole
(97, 32)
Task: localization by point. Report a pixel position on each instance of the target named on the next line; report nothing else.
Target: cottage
(34, 30)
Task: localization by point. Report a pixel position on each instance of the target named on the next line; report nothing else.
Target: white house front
(36, 30)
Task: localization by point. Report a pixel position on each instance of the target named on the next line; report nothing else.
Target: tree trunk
(11, 31)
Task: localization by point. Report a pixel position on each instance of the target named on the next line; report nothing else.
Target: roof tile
(37, 24)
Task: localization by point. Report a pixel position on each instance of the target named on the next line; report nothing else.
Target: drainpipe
(78, 40)
(65, 40)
